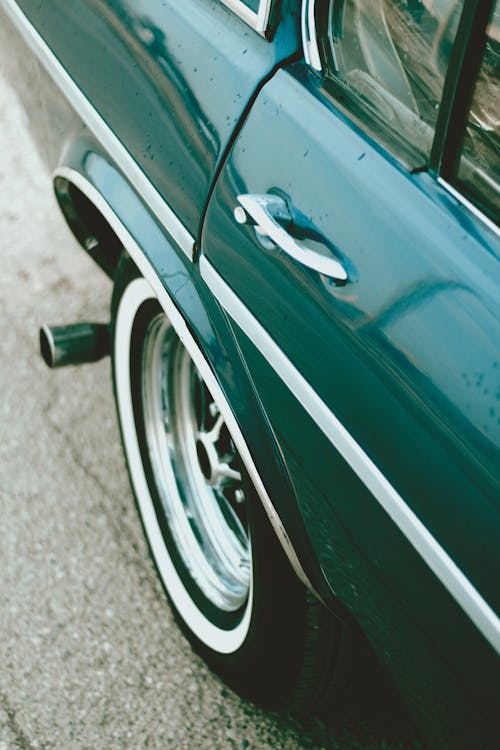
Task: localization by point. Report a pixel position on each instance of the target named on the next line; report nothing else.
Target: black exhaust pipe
(74, 344)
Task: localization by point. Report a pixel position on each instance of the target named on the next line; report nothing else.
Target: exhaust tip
(74, 344)
(47, 349)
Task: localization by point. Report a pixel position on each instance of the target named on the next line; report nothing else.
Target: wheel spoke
(214, 433)
(224, 470)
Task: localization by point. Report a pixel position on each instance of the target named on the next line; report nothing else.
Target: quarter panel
(70, 146)
(211, 329)
(171, 80)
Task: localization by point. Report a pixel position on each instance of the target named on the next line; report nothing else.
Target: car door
(363, 292)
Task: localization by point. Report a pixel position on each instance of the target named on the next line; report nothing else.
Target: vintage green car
(298, 204)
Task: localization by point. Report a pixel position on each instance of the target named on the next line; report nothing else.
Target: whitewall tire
(201, 502)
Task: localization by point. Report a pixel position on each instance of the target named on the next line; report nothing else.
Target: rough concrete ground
(90, 656)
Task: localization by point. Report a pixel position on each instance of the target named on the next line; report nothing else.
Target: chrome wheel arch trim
(218, 639)
(427, 546)
(167, 218)
(182, 330)
(99, 128)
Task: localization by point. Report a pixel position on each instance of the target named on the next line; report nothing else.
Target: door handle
(270, 216)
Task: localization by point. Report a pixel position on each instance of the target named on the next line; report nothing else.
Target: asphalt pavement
(90, 656)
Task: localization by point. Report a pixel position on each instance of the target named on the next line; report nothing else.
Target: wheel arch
(85, 178)
(87, 223)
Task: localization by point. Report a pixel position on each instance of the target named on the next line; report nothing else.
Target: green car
(298, 203)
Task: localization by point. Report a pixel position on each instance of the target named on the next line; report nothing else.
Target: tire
(227, 578)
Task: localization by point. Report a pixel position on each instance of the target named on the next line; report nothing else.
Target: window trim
(258, 21)
(310, 36)
(459, 84)
(313, 17)
(461, 198)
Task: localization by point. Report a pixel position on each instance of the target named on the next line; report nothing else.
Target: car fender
(201, 324)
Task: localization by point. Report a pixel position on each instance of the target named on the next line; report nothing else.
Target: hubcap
(196, 470)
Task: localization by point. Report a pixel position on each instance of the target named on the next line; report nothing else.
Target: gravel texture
(90, 656)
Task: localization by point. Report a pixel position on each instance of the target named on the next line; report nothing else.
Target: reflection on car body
(298, 203)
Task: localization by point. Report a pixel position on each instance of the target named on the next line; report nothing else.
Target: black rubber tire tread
(308, 657)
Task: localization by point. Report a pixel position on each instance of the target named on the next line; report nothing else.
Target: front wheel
(225, 573)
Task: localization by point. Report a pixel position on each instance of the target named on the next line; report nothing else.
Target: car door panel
(405, 355)
(415, 626)
(373, 363)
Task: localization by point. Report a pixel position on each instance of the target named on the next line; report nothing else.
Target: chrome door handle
(271, 217)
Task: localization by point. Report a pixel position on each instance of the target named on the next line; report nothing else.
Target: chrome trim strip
(309, 37)
(417, 534)
(257, 21)
(188, 340)
(472, 208)
(263, 15)
(112, 145)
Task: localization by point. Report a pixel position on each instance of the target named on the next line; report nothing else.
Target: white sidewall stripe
(223, 641)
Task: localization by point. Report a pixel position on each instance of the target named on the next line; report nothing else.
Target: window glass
(393, 56)
(479, 166)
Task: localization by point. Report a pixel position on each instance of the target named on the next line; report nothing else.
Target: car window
(479, 166)
(392, 56)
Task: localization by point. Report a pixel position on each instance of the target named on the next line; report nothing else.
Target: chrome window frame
(309, 35)
(258, 21)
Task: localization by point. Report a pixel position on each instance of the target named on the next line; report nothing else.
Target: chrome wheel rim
(196, 470)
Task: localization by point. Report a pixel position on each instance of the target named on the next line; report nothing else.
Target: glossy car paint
(172, 80)
(371, 375)
(66, 142)
(405, 355)
(210, 327)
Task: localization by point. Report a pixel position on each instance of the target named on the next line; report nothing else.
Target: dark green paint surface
(406, 356)
(171, 79)
(252, 4)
